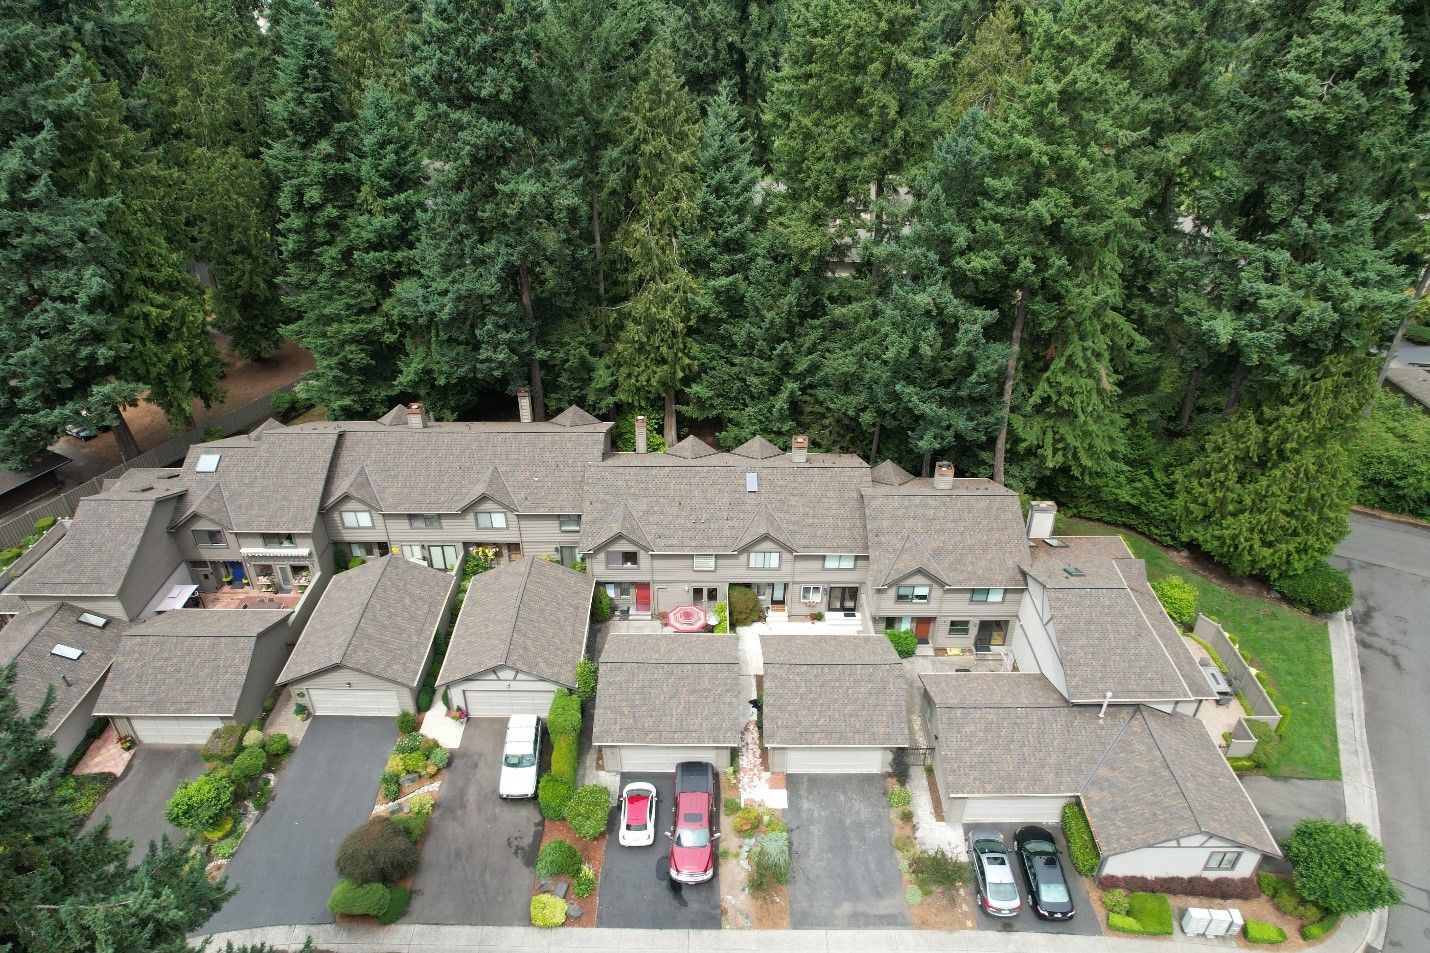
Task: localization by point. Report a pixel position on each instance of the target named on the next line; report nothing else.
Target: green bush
(584, 883)
(563, 719)
(1271, 884)
(408, 743)
(441, 757)
(358, 900)
(1124, 924)
(424, 697)
(414, 761)
(899, 796)
(1417, 333)
(1256, 931)
(1297, 907)
(746, 819)
(248, 765)
(1241, 765)
(731, 805)
(558, 858)
(397, 898)
(277, 744)
(936, 869)
(770, 856)
(422, 803)
(1179, 598)
(1082, 848)
(745, 608)
(905, 844)
(1117, 900)
(221, 828)
(200, 802)
(563, 759)
(223, 745)
(1314, 931)
(391, 785)
(1153, 911)
(282, 402)
(586, 675)
(263, 795)
(547, 911)
(904, 642)
(913, 895)
(253, 738)
(552, 795)
(225, 848)
(722, 618)
(601, 610)
(1319, 590)
(413, 825)
(84, 792)
(1340, 867)
(377, 852)
(1392, 455)
(8, 556)
(406, 723)
(43, 524)
(1269, 745)
(588, 810)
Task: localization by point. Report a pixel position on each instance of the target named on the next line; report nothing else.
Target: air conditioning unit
(1195, 921)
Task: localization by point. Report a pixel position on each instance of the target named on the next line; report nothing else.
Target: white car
(638, 801)
(519, 757)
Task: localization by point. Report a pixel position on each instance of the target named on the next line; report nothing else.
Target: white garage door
(834, 760)
(1038, 810)
(353, 701)
(656, 758)
(510, 698)
(174, 731)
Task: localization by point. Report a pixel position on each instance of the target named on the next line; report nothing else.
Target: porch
(1219, 719)
(230, 597)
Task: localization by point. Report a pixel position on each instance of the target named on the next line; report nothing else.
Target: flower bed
(222, 805)
(591, 853)
(935, 885)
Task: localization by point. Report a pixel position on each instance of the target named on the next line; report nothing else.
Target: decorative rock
(544, 887)
(573, 911)
(393, 808)
(561, 889)
(407, 779)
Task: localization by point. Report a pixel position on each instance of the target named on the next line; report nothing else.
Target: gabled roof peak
(574, 416)
(890, 473)
(691, 448)
(757, 448)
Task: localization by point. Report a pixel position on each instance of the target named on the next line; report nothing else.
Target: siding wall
(72, 730)
(270, 652)
(538, 534)
(1170, 860)
(1034, 648)
(157, 559)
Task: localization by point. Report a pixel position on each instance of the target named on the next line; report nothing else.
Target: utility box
(1220, 924)
(1195, 921)
(1236, 921)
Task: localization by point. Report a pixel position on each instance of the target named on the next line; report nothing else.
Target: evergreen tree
(372, 37)
(652, 347)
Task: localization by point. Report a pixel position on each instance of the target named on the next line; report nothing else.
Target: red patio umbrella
(687, 619)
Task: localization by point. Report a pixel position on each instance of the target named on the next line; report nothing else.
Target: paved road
(479, 852)
(135, 806)
(284, 868)
(1390, 564)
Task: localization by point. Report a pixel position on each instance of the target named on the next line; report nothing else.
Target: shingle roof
(890, 473)
(531, 615)
(186, 662)
(28, 640)
(658, 690)
(379, 618)
(972, 534)
(99, 547)
(691, 448)
(1144, 776)
(843, 690)
(1112, 634)
(757, 448)
(574, 416)
(271, 481)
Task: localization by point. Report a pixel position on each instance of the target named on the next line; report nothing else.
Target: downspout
(1106, 700)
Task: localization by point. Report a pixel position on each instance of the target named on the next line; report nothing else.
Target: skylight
(1056, 543)
(752, 482)
(89, 618)
(1073, 571)
(67, 651)
(208, 463)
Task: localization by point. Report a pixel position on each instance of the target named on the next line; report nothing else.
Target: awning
(177, 596)
(279, 552)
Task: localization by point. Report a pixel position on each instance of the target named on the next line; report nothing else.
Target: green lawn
(1292, 647)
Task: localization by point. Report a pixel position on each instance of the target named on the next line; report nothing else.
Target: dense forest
(1144, 257)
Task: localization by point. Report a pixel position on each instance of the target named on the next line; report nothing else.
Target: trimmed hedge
(547, 910)
(1319, 590)
(587, 674)
(552, 793)
(224, 743)
(1216, 888)
(360, 900)
(600, 606)
(1314, 931)
(277, 744)
(249, 764)
(1117, 901)
(406, 722)
(1256, 931)
(397, 898)
(558, 858)
(1082, 848)
(563, 759)
(377, 852)
(904, 642)
(1153, 911)
(1124, 924)
(1178, 598)
(588, 810)
(564, 717)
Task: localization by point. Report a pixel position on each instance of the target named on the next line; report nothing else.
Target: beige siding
(660, 758)
(333, 521)
(1176, 861)
(72, 730)
(269, 654)
(341, 677)
(1034, 648)
(157, 559)
(104, 605)
(184, 539)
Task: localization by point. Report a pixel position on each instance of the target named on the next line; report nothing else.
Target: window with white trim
(704, 563)
(839, 561)
(569, 523)
(490, 520)
(811, 593)
(987, 595)
(959, 628)
(764, 560)
(911, 594)
(277, 540)
(357, 519)
(1223, 860)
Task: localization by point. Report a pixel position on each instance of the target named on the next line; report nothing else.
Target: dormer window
(277, 540)
(764, 560)
(424, 521)
(623, 559)
(917, 594)
(570, 523)
(987, 595)
(209, 537)
(493, 520)
(357, 519)
(839, 561)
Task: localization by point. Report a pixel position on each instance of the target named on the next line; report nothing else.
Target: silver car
(993, 873)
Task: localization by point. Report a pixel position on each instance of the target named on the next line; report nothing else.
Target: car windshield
(692, 837)
(1053, 893)
(1002, 892)
(1039, 847)
(520, 761)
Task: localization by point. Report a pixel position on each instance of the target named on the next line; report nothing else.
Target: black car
(1047, 887)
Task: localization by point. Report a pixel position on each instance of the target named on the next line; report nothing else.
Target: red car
(692, 842)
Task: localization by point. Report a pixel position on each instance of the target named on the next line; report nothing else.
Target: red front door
(922, 628)
(642, 597)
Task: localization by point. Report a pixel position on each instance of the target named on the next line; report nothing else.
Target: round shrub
(197, 804)
(406, 723)
(277, 744)
(904, 642)
(413, 825)
(1179, 598)
(428, 745)
(252, 738)
(548, 910)
(394, 765)
(225, 848)
(357, 900)
(223, 744)
(1318, 590)
(407, 744)
(588, 810)
(220, 829)
(414, 761)
(564, 717)
(558, 858)
(1117, 900)
(1340, 867)
(584, 883)
(377, 852)
(745, 820)
(441, 757)
(899, 796)
(552, 794)
(421, 803)
(248, 765)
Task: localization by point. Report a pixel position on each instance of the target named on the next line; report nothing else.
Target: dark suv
(692, 841)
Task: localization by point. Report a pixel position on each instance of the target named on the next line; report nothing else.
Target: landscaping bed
(591, 852)
(1260, 909)
(762, 900)
(936, 886)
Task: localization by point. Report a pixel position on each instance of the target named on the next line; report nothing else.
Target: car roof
(998, 871)
(522, 721)
(1033, 832)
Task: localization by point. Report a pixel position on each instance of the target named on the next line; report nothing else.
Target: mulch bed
(766, 909)
(592, 852)
(943, 909)
(937, 798)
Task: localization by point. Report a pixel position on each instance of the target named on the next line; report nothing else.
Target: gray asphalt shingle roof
(186, 662)
(379, 618)
(531, 615)
(968, 537)
(98, 549)
(271, 481)
(840, 691)
(28, 641)
(662, 690)
(1144, 776)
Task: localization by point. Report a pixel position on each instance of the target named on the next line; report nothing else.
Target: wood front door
(642, 597)
(922, 628)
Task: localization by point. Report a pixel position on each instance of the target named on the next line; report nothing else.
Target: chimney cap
(416, 405)
(800, 440)
(523, 391)
(944, 466)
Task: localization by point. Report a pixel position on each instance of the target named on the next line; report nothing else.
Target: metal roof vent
(67, 651)
(752, 482)
(167, 476)
(1056, 543)
(1073, 571)
(207, 463)
(90, 618)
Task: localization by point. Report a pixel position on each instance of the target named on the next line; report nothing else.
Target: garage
(500, 698)
(661, 758)
(173, 731)
(353, 701)
(830, 760)
(1030, 810)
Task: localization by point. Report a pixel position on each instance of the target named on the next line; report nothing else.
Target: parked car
(82, 429)
(692, 840)
(993, 874)
(638, 813)
(1047, 886)
(519, 757)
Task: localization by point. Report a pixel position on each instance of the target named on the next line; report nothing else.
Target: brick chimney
(641, 434)
(416, 415)
(523, 404)
(943, 475)
(1041, 515)
(799, 448)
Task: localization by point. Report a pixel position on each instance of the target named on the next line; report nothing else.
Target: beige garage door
(512, 698)
(353, 701)
(834, 760)
(1033, 810)
(174, 731)
(656, 758)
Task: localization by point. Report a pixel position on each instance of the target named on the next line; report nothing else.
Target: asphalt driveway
(1087, 922)
(135, 806)
(843, 870)
(480, 851)
(284, 868)
(636, 889)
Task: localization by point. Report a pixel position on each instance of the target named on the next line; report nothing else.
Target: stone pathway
(283, 720)
(929, 832)
(104, 755)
